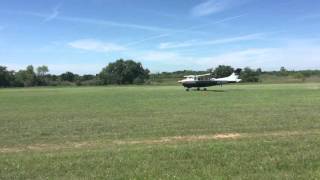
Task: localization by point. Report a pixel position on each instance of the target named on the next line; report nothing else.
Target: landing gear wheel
(205, 89)
(187, 89)
(198, 89)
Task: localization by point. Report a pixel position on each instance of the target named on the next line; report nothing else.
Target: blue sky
(83, 36)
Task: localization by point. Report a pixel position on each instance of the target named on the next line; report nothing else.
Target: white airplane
(205, 80)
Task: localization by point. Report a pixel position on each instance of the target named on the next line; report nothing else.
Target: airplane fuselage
(200, 83)
(203, 81)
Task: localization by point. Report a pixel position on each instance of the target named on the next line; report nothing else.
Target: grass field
(161, 132)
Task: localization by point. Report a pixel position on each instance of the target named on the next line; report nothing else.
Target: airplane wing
(189, 76)
(201, 75)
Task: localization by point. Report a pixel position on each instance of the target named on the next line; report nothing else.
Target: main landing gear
(198, 89)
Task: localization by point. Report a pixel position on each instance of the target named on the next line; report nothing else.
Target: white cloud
(270, 58)
(274, 58)
(248, 57)
(95, 45)
(170, 45)
(295, 55)
(214, 6)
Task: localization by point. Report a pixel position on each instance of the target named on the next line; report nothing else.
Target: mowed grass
(65, 133)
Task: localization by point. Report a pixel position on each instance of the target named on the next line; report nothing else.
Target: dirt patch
(175, 139)
(163, 140)
(10, 150)
(48, 147)
(92, 144)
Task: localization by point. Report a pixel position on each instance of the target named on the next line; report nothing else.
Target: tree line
(247, 74)
(123, 72)
(118, 72)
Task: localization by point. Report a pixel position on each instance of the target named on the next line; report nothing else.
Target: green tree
(6, 77)
(124, 72)
(223, 71)
(249, 75)
(42, 70)
(259, 71)
(283, 72)
(41, 75)
(87, 77)
(68, 76)
(26, 77)
(299, 75)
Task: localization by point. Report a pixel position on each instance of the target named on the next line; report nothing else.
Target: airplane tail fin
(235, 75)
(238, 71)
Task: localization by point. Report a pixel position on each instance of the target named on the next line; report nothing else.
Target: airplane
(205, 80)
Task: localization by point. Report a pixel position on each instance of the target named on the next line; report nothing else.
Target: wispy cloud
(209, 7)
(95, 45)
(214, 6)
(148, 39)
(54, 14)
(185, 30)
(112, 23)
(170, 45)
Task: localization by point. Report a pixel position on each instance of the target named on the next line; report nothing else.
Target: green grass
(272, 79)
(55, 119)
